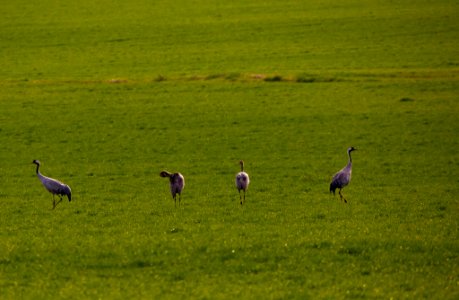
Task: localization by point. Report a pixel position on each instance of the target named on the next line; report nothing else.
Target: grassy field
(106, 94)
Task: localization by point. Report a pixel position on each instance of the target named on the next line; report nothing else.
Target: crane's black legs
(56, 203)
(179, 199)
(242, 197)
(342, 197)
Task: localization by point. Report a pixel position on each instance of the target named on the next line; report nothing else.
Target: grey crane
(343, 177)
(177, 183)
(54, 186)
(242, 181)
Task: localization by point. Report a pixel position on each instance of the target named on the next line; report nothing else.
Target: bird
(177, 183)
(54, 186)
(242, 181)
(343, 177)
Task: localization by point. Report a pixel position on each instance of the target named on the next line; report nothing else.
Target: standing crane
(343, 177)
(242, 181)
(177, 182)
(54, 186)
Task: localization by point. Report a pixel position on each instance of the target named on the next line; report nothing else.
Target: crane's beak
(70, 197)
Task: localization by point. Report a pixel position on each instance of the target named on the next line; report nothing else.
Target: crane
(176, 182)
(54, 186)
(343, 177)
(242, 181)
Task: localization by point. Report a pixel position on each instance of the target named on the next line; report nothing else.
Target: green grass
(106, 95)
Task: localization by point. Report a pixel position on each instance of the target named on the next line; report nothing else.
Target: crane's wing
(55, 186)
(341, 179)
(242, 180)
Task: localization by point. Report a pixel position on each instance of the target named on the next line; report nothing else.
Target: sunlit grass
(109, 94)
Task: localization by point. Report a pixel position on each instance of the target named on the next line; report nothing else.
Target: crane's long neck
(349, 163)
(242, 167)
(39, 174)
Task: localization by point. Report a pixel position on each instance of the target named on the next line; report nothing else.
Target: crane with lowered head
(176, 183)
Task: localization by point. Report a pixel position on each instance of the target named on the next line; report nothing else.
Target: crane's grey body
(176, 182)
(343, 177)
(54, 186)
(242, 182)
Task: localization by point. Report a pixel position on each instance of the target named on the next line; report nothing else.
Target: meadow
(106, 94)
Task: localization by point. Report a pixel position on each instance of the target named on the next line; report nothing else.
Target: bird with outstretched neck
(242, 182)
(343, 177)
(54, 186)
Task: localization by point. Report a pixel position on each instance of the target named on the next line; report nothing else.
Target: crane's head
(165, 174)
(36, 161)
(350, 149)
(68, 192)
